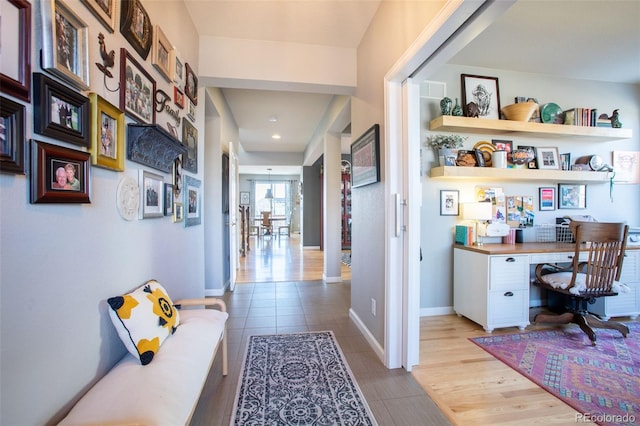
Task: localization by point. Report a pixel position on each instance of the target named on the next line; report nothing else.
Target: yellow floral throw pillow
(144, 318)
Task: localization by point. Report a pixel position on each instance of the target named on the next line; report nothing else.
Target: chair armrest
(205, 301)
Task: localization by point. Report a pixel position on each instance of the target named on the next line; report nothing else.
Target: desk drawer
(509, 272)
(566, 257)
(509, 307)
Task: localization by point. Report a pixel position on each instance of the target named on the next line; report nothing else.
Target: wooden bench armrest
(210, 301)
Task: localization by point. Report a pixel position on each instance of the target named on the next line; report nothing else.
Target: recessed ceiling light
(275, 136)
(273, 119)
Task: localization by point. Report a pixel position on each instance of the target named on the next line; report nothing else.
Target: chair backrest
(605, 244)
(265, 218)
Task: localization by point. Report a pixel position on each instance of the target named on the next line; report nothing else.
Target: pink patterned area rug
(601, 382)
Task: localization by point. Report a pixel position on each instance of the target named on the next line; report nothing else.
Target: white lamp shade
(477, 211)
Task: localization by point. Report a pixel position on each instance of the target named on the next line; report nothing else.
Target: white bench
(166, 391)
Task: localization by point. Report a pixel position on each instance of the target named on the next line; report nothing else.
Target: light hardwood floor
(469, 386)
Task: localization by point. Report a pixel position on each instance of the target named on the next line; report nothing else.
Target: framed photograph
(365, 158)
(177, 177)
(105, 11)
(565, 161)
(627, 166)
(163, 52)
(15, 75)
(178, 97)
(135, 26)
(548, 158)
(178, 70)
(137, 90)
(547, 199)
(572, 196)
(107, 134)
(191, 84)
(168, 199)
(484, 91)
(59, 112)
(193, 213)
(65, 49)
(178, 212)
(449, 202)
(151, 186)
(58, 174)
(191, 115)
(190, 141)
(244, 198)
(12, 134)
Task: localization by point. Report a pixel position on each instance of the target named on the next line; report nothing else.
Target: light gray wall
(437, 231)
(60, 262)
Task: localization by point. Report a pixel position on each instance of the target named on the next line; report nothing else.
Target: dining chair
(594, 272)
(266, 226)
(286, 226)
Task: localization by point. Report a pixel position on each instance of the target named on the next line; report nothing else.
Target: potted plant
(444, 146)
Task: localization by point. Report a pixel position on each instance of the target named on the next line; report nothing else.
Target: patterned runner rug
(601, 382)
(298, 379)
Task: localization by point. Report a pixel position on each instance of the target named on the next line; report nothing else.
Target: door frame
(457, 23)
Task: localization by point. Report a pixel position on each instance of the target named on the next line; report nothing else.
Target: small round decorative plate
(486, 148)
(128, 198)
(551, 113)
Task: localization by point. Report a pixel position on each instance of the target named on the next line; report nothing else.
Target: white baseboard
(432, 312)
(310, 247)
(377, 349)
(331, 279)
(213, 292)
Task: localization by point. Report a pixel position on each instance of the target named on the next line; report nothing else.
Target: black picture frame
(449, 202)
(191, 84)
(19, 85)
(168, 199)
(47, 159)
(572, 196)
(365, 158)
(484, 91)
(12, 136)
(137, 90)
(135, 26)
(190, 141)
(60, 112)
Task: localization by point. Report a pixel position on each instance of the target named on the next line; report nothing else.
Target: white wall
(60, 262)
(437, 231)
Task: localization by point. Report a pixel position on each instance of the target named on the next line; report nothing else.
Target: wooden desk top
(524, 248)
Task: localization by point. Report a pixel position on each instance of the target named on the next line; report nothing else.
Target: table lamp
(477, 212)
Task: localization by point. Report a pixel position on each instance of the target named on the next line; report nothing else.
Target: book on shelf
(465, 235)
(580, 117)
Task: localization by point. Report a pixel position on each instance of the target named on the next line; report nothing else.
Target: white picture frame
(548, 158)
(163, 54)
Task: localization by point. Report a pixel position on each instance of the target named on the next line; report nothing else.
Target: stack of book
(581, 117)
(465, 234)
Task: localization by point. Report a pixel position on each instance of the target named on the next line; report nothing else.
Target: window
(276, 205)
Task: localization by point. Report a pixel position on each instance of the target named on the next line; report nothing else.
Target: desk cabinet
(492, 291)
(624, 304)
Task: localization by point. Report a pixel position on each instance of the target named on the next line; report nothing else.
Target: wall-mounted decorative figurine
(135, 26)
(108, 61)
(65, 50)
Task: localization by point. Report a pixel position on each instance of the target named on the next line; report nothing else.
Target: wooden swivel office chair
(266, 227)
(602, 245)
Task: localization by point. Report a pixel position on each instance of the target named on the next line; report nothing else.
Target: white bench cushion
(164, 392)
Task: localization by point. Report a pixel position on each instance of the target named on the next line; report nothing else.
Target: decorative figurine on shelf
(457, 110)
(615, 120)
(445, 106)
(472, 110)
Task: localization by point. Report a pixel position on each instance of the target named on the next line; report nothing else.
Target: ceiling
(584, 39)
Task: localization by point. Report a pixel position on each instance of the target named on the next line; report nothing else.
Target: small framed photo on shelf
(572, 196)
(503, 145)
(59, 175)
(565, 161)
(548, 158)
(484, 91)
(151, 192)
(59, 112)
(533, 163)
(65, 50)
(107, 134)
(449, 202)
(547, 199)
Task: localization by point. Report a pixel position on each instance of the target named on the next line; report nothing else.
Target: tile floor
(286, 307)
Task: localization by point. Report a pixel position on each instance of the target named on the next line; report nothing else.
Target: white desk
(491, 283)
